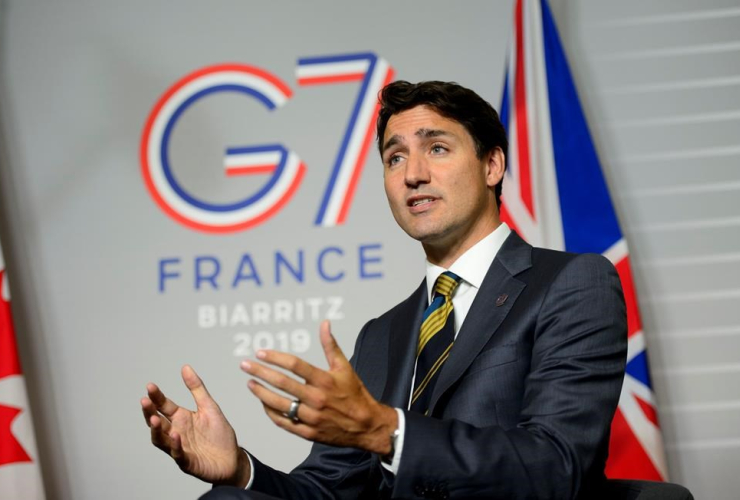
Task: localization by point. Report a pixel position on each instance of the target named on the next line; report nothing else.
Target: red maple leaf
(11, 450)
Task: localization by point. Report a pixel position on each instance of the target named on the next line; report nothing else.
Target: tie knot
(446, 283)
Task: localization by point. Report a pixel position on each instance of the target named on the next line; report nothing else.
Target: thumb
(197, 388)
(332, 351)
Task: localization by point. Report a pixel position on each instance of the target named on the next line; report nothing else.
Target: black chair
(233, 493)
(617, 489)
(632, 489)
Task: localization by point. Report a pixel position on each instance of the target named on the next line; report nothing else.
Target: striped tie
(435, 340)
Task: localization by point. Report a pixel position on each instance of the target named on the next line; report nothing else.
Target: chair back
(633, 489)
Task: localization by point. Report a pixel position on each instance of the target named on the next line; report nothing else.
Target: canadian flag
(20, 475)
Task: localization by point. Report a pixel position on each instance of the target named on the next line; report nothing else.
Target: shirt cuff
(396, 462)
(251, 470)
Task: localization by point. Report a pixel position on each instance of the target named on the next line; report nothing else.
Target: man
(497, 378)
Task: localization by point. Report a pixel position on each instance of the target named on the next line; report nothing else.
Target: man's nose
(417, 170)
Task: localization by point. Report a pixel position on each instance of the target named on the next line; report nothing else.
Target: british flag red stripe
(522, 128)
(555, 196)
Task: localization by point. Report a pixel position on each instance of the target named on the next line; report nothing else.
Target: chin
(428, 232)
(426, 237)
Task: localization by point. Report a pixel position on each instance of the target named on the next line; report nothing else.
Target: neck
(444, 255)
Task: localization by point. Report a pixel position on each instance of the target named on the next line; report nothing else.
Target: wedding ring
(293, 411)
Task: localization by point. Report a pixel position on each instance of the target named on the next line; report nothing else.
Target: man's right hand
(202, 442)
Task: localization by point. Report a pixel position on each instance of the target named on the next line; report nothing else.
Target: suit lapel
(487, 312)
(402, 348)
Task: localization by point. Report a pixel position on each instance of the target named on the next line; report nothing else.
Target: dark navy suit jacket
(522, 407)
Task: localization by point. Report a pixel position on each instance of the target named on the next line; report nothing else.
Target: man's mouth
(419, 200)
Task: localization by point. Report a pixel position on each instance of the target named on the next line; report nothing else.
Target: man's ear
(495, 165)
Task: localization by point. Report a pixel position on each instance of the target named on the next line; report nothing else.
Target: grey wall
(659, 82)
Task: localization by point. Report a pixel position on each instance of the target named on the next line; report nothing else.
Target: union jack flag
(555, 196)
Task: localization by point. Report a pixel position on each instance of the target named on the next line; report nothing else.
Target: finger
(197, 388)
(163, 424)
(268, 397)
(149, 410)
(332, 351)
(281, 404)
(297, 428)
(164, 405)
(293, 364)
(159, 436)
(275, 378)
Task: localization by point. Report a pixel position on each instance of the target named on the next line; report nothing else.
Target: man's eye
(437, 149)
(394, 159)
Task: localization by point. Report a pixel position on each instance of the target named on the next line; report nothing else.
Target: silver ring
(293, 411)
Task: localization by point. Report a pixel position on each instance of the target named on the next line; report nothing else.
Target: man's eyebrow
(429, 133)
(426, 133)
(394, 140)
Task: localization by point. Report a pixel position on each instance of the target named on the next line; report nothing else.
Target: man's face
(440, 193)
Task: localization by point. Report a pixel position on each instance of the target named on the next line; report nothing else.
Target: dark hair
(452, 101)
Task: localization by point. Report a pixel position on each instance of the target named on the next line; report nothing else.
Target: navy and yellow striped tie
(435, 340)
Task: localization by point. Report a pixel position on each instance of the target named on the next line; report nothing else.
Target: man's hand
(202, 442)
(335, 407)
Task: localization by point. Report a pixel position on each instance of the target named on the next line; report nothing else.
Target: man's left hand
(335, 407)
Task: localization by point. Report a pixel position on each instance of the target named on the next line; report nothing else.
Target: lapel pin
(501, 299)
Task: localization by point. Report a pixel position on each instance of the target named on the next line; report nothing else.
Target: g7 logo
(284, 167)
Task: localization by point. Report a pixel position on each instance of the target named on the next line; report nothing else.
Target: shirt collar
(473, 265)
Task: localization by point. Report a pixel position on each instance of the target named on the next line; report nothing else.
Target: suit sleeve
(570, 395)
(328, 472)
